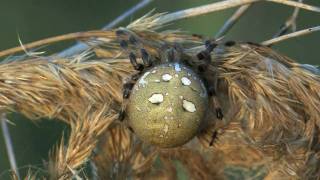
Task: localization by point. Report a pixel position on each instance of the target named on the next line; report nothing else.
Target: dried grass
(271, 107)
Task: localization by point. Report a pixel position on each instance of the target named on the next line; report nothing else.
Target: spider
(166, 101)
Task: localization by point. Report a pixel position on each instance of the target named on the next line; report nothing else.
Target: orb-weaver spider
(172, 90)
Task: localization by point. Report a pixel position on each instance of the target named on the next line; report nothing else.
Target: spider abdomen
(167, 105)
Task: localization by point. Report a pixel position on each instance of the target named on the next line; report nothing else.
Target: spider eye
(167, 105)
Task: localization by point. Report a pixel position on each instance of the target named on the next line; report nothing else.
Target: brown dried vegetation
(271, 106)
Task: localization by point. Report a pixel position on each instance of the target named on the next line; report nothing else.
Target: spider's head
(167, 105)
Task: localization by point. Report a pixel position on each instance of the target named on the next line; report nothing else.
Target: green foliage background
(36, 19)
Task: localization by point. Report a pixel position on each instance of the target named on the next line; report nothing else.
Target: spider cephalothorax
(167, 100)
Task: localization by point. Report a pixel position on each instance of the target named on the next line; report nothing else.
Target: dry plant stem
(296, 4)
(232, 20)
(9, 146)
(51, 40)
(290, 23)
(80, 47)
(224, 5)
(291, 35)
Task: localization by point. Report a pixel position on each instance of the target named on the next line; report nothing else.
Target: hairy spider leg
(172, 55)
(126, 37)
(205, 56)
(215, 101)
(213, 138)
(129, 38)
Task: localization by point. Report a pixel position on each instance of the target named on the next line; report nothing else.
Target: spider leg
(122, 116)
(172, 55)
(215, 102)
(212, 89)
(213, 138)
(127, 88)
(126, 37)
(135, 64)
(145, 58)
(205, 55)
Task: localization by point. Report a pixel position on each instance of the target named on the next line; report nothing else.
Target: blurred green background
(36, 19)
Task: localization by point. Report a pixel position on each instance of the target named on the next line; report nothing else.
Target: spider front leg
(134, 47)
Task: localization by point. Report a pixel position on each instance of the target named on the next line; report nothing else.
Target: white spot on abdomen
(185, 81)
(166, 77)
(177, 67)
(156, 98)
(142, 81)
(189, 106)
